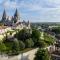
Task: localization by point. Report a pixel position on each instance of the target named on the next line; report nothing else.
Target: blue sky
(33, 10)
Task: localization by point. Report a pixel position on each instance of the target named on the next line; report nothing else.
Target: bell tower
(16, 16)
(4, 17)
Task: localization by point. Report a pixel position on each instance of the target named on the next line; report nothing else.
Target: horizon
(33, 10)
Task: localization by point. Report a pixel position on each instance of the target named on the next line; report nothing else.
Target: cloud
(31, 4)
(9, 4)
(35, 10)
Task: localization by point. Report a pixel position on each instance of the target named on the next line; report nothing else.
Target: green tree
(12, 47)
(56, 30)
(21, 45)
(15, 47)
(29, 43)
(49, 39)
(23, 34)
(9, 45)
(41, 43)
(35, 35)
(2, 47)
(42, 54)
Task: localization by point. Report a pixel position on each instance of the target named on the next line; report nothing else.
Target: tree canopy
(42, 54)
(49, 39)
(23, 34)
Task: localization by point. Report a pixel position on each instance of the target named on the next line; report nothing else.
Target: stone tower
(4, 16)
(16, 16)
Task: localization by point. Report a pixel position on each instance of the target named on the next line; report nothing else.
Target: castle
(14, 21)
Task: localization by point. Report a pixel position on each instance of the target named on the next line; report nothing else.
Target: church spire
(16, 16)
(16, 13)
(4, 15)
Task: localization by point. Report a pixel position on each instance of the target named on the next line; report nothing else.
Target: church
(14, 21)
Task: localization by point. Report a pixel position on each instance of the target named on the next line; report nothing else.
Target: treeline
(24, 39)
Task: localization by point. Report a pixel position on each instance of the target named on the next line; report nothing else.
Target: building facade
(14, 21)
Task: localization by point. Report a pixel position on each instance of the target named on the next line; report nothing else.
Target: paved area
(25, 56)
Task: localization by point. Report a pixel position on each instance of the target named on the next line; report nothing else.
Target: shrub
(29, 43)
(21, 45)
(2, 47)
(15, 46)
(41, 44)
(42, 54)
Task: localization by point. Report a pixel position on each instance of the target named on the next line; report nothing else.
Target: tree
(56, 30)
(21, 45)
(42, 54)
(15, 47)
(35, 35)
(12, 47)
(48, 39)
(2, 47)
(29, 43)
(9, 45)
(41, 43)
(23, 35)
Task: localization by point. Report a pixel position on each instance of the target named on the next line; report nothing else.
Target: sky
(33, 10)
